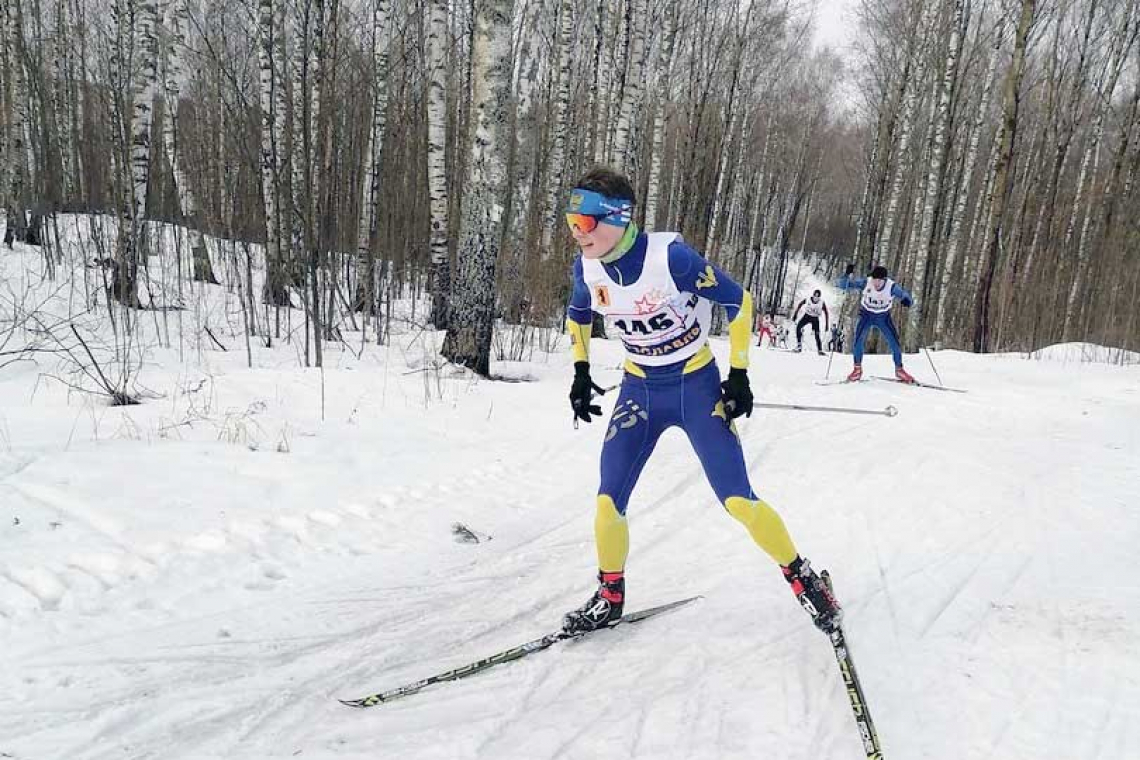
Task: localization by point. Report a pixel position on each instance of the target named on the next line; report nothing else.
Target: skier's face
(878, 282)
(597, 242)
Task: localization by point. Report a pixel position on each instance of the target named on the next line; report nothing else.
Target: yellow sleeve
(740, 334)
(579, 340)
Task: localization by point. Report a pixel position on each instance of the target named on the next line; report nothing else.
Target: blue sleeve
(692, 273)
(579, 309)
(847, 282)
(899, 292)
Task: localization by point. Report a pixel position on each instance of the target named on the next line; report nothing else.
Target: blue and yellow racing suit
(658, 291)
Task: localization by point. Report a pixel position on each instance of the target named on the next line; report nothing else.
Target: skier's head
(879, 275)
(815, 296)
(599, 210)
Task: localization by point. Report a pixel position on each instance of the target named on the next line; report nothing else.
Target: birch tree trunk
(731, 120)
(13, 165)
(1008, 132)
(934, 179)
(558, 126)
(631, 92)
(137, 71)
(602, 81)
(174, 81)
(959, 214)
(472, 316)
(913, 74)
(440, 276)
(1122, 43)
(654, 213)
(368, 288)
(271, 59)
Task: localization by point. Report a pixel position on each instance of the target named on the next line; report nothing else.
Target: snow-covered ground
(203, 575)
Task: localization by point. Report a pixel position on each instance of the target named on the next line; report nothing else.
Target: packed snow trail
(179, 585)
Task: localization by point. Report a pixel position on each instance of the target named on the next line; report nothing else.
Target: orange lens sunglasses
(586, 222)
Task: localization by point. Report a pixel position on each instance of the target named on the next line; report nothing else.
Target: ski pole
(839, 318)
(932, 365)
(890, 411)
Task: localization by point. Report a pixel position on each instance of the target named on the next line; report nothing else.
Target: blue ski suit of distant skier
(658, 293)
(875, 311)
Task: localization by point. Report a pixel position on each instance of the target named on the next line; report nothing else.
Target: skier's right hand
(582, 392)
(850, 270)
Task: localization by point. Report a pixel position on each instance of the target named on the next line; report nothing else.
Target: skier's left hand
(736, 393)
(907, 302)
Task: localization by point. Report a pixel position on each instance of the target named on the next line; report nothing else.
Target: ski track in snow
(187, 591)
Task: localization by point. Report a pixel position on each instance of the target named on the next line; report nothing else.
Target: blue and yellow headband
(613, 211)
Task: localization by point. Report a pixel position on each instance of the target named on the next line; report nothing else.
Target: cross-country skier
(812, 308)
(879, 292)
(765, 327)
(658, 293)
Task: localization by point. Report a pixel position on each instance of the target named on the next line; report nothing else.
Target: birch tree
(14, 174)
(1122, 42)
(440, 277)
(1008, 130)
(174, 82)
(654, 214)
(968, 168)
(373, 162)
(274, 106)
(935, 176)
(558, 127)
(472, 316)
(636, 10)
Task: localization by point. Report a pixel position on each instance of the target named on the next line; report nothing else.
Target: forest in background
(366, 150)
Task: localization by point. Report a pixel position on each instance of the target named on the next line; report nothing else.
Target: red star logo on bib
(650, 302)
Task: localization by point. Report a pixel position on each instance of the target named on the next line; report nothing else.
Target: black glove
(736, 394)
(907, 302)
(850, 270)
(582, 391)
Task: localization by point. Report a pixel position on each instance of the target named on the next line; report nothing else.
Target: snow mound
(1086, 352)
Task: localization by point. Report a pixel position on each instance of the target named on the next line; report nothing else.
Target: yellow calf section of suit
(611, 536)
(765, 526)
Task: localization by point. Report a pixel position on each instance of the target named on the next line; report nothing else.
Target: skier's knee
(764, 525)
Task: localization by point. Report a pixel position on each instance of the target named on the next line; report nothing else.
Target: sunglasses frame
(596, 217)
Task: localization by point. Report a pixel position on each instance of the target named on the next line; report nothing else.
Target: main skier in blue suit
(879, 292)
(658, 293)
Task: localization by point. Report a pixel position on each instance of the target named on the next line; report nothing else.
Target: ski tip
(361, 703)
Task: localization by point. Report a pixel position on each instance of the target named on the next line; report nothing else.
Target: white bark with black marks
(440, 277)
(472, 317)
(558, 128)
(636, 11)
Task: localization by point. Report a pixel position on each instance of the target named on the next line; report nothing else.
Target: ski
(921, 385)
(889, 411)
(507, 655)
(843, 381)
(854, 687)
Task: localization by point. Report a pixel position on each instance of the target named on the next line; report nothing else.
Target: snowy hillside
(203, 575)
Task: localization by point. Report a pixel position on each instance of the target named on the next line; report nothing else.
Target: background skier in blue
(878, 294)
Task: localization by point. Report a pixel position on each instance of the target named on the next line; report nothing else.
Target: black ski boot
(602, 610)
(813, 595)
